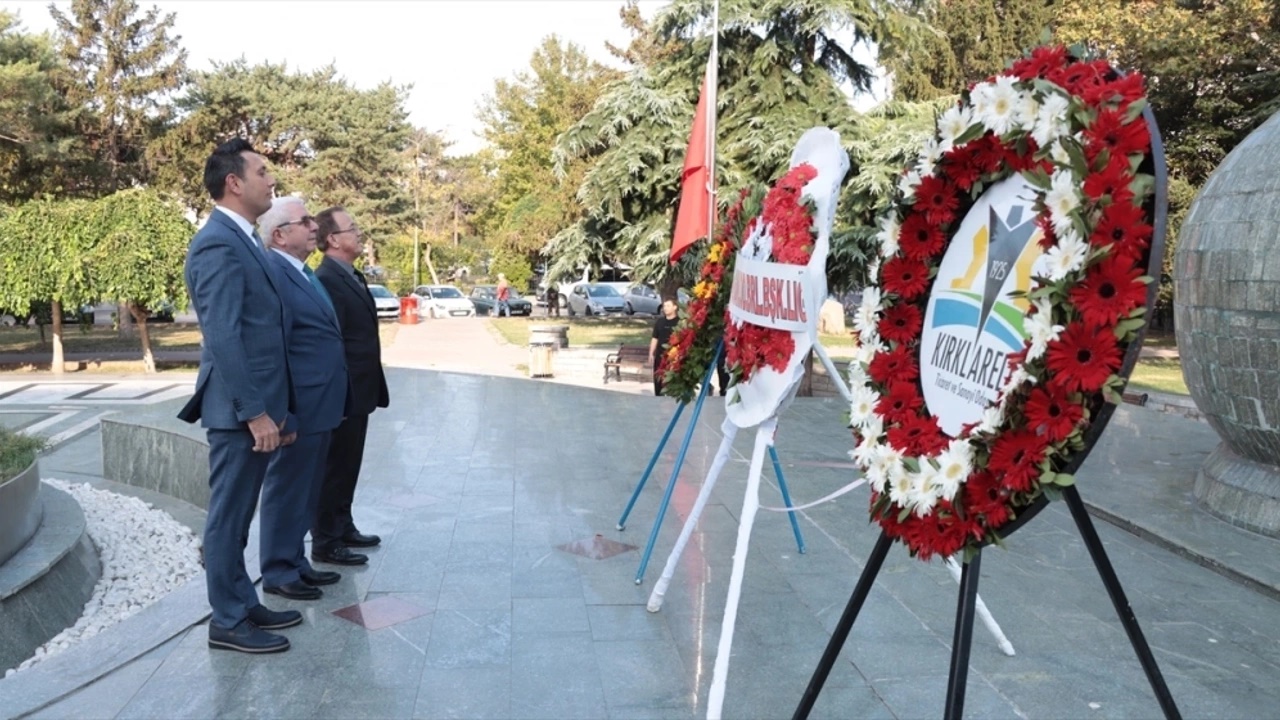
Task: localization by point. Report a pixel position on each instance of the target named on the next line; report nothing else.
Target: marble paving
(481, 487)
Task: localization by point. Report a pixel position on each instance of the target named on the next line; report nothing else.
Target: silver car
(595, 299)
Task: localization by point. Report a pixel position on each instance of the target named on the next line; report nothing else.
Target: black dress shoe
(296, 590)
(338, 555)
(355, 538)
(316, 578)
(246, 638)
(268, 619)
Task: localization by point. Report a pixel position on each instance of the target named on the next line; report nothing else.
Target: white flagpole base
(750, 504)
(722, 456)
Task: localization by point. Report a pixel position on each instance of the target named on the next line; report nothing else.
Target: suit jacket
(244, 370)
(358, 318)
(316, 357)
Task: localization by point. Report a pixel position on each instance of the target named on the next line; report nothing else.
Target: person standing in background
(503, 296)
(662, 329)
(334, 532)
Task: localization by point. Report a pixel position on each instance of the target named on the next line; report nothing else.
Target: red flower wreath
(788, 218)
(1078, 146)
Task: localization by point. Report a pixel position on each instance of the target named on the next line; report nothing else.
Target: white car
(442, 301)
(385, 301)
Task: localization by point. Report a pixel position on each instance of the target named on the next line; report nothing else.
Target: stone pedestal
(1227, 312)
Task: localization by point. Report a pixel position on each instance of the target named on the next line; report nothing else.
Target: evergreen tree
(122, 65)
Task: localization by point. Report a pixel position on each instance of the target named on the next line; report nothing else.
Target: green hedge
(17, 452)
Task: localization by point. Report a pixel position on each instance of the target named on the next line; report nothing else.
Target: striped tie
(315, 283)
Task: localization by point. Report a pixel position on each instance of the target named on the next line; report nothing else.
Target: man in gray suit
(292, 487)
(243, 396)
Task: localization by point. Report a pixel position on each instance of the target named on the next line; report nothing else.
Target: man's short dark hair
(225, 160)
(327, 225)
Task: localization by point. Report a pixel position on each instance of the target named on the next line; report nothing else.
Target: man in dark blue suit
(243, 396)
(321, 388)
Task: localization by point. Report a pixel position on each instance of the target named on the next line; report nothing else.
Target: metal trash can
(540, 354)
(409, 310)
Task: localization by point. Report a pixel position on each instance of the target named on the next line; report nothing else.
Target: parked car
(485, 300)
(641, 298)
(442, 301)
(386, 302)
(595, 299)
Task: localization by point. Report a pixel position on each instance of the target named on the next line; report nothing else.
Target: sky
(450, 51)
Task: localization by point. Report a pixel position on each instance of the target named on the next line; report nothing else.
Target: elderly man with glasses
(317, 365)
(333, 531)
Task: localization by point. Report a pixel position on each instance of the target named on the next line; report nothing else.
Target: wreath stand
(963, 634)
(721, 457)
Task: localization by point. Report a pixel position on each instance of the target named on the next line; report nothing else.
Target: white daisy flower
(992, 418)
(857, 376)
(1058, 154)
(1041, 329)
(953, 123)
(924, 492)
(864, 318)
(1026, 111)
(862, 407)
(929, 157)
(1067, 256)
(890, 231)
(908, 184)
(955, 464)
(870, 347)
(899, 484)
(1062, 199)
(877, 477)
(1000, 103)
(1050, 120)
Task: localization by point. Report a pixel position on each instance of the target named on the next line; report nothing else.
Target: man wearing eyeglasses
(334, 532)
(291, 491)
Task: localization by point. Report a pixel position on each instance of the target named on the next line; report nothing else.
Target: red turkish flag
(692, 217)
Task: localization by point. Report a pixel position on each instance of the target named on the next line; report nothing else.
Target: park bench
(631, 358)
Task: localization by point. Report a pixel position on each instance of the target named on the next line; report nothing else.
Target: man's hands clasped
(266, 434)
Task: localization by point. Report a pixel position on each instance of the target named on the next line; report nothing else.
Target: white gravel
(145, 554)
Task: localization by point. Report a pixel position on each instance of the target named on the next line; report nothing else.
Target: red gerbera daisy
(1122, 226)
(917, 435)
(1042, 61)
(1078, 77)
(959, 165)
(901, 402)
(899, 364)
(905, 277)
(1015, 459)
(1047, 239)
(1111, 131)
(1049, 411)
(988, 153)
(1122, 91)
(919, 239)
(1083, 357)
(1110, 291)
(936, 198)
(901, 323)
(984, 495)
(1111, 183)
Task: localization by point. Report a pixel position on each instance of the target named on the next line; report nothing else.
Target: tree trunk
(124, 325)
(59, 358)
(435, 279)
(140, 319)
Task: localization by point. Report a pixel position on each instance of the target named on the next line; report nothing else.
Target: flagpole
(713, 77)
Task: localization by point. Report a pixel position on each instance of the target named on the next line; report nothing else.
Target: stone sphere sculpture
(1227, 312)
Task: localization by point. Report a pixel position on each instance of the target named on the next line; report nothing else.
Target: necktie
(360, 277)
(319, 286)
(257, 242)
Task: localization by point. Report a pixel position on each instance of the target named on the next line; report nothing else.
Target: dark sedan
(485, 300)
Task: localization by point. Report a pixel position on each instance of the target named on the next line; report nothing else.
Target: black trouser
(657, 382)
(342, 468)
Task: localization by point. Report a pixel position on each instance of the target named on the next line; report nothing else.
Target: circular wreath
(692, 344)
(1074, 130)
(787, 221)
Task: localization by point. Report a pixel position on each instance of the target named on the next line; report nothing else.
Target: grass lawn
(583, 332)
(79, 339)
(1160, 374)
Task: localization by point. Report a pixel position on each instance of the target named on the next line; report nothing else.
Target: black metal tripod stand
(963, 637)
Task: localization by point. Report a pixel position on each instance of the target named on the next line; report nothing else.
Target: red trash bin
(408, 310)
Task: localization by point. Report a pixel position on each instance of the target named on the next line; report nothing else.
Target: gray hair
(276, 217)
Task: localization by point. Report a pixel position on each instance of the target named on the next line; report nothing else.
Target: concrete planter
(20, 510)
